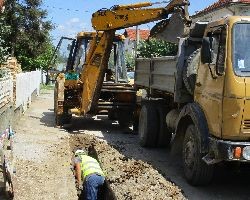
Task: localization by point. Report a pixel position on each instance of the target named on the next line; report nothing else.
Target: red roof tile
(1, 3)
(220, 4)
(131, 34)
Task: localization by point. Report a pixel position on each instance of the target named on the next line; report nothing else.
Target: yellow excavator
(69, 68)
(86, 90)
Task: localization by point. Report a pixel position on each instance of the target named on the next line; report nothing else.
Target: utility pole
(137, 40)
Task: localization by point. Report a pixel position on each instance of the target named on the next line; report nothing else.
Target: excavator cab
(69, 60)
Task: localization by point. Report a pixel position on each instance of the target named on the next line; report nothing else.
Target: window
(241, 49)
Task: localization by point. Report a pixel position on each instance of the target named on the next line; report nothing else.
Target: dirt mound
(128, 178)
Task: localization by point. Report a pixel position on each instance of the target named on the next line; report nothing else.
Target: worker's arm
(78, 173)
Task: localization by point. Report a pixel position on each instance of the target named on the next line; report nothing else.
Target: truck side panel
(156, 73)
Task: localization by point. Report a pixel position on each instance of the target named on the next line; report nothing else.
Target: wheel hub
(189, 154)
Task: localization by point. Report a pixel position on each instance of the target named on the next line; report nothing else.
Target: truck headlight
(246, 152)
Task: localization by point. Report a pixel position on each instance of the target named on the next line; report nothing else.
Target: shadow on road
(48, 119)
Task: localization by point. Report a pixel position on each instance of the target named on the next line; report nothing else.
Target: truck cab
(198, 100)
(222, 85)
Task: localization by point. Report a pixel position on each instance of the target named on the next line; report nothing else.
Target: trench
(126, 177)
(104, 192)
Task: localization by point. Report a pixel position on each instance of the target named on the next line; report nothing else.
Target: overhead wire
(160, 2)
(65, 9)
(76, 10)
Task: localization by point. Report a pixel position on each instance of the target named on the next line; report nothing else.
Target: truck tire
(196, 171)
(135, 125)
(164, 135)
(124, 118)
(148, 125)
(112, 115)
(190, 71)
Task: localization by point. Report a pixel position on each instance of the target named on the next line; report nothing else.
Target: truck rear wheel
(124, 118)
(164, 135)
(112, 115)
(148, 125)
(196, 171)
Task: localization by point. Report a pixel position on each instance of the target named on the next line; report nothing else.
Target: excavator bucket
(169, 31)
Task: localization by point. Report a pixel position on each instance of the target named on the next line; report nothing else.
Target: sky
(73, 16)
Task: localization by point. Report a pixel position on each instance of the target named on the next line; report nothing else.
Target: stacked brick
(11, 69)
(8, 72)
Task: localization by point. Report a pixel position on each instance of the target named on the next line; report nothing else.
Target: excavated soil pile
(128, 178)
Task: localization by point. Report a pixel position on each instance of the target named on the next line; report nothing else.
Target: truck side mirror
(206, 53)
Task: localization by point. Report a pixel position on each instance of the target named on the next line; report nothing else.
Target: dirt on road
(43, 161)
(128, 178)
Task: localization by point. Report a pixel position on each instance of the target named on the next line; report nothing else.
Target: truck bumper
(221, 150)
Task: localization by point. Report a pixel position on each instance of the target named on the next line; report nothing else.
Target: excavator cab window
(62, 57)
(117, 63)
(79, 56)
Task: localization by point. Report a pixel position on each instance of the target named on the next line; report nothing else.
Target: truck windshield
(241, 49)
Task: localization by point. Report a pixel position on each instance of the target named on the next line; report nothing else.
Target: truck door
(209, 90)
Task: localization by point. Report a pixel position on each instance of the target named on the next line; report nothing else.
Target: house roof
(1, 4)
(220, 4)
(131, 34)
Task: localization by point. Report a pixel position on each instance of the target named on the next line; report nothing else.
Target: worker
(88, 169)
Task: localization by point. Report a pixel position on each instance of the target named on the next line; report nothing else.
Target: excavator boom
(108, 21)
(119, 17)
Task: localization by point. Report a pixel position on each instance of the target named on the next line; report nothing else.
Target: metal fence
(20, 90)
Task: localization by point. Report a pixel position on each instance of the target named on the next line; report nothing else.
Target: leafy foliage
(28, 37)
(4, 31)
(156, 48)
(130, 61)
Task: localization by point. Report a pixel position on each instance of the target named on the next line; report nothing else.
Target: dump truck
(198, 101)
(85, 92)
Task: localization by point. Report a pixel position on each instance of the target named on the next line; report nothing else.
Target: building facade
(223, 8)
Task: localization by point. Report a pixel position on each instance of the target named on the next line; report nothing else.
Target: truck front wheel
(196, 171)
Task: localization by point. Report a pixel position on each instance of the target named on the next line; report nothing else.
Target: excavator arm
(123, 16)
(110, 20)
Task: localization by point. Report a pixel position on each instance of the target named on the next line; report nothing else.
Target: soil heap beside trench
(128, 178)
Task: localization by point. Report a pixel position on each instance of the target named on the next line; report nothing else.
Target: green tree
(4, 47)
(156, 48)
(130, 61)
(29, 39)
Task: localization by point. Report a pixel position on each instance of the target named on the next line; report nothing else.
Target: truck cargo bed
(156, 73)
